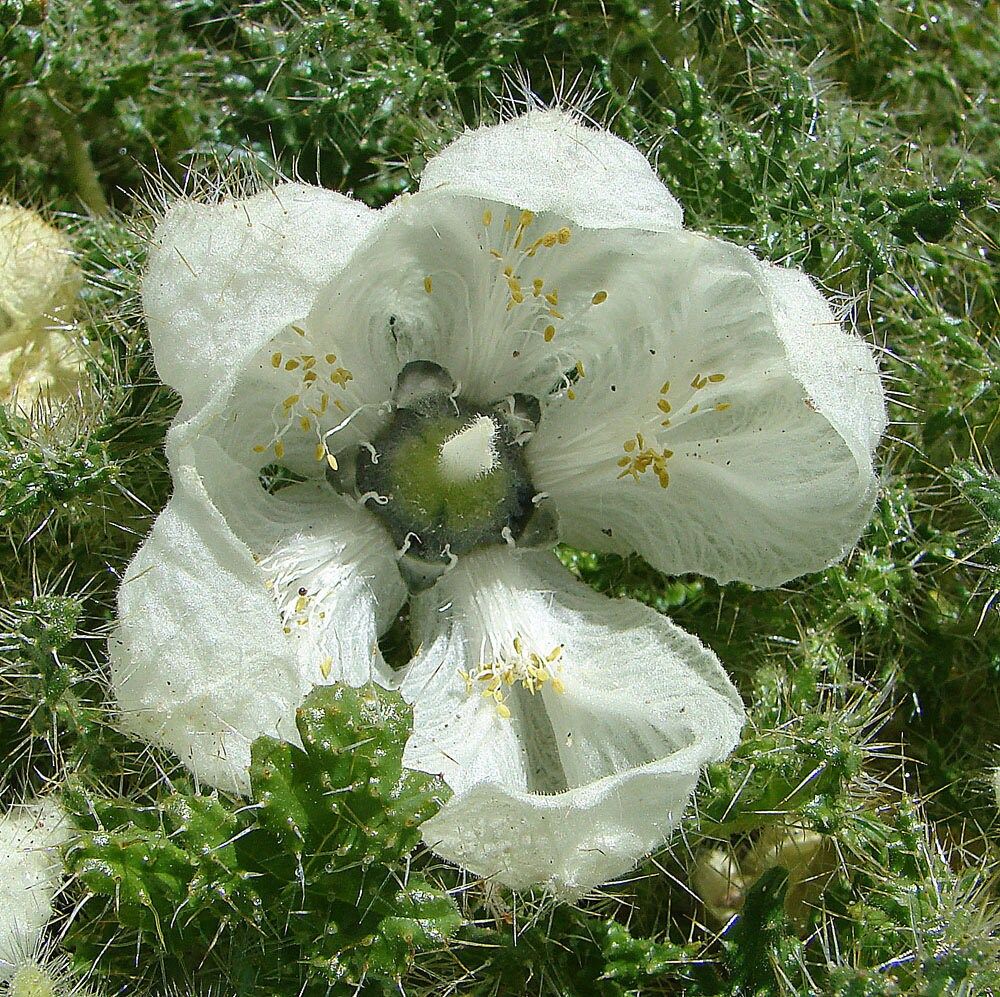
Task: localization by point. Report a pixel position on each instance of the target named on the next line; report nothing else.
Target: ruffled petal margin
(216, 643)
(551, 161)
(593, 769)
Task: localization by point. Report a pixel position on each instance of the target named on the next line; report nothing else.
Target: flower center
(446, 476)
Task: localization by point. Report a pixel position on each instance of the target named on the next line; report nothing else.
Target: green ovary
(423, 494)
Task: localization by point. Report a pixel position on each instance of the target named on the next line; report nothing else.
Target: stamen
(519, 666)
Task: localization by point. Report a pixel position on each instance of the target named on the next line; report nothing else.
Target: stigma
(471, 453)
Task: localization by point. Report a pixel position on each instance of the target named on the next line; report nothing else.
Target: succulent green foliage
(337, 815)
(44, 480)
(312, 870)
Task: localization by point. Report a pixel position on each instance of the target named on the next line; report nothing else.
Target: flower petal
(505, 300)
(756, 416)
(593, 769)
(210, 653)
(30, 871)
(551, 161)
(224, 278)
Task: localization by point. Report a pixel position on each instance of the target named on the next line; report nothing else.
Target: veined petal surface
(217, 643)
(549, 161)
(728, 431)
(222, 279)
(567, 783)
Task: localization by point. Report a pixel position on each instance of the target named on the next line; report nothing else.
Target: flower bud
(719, 883)
(39, 283)
(808, 857)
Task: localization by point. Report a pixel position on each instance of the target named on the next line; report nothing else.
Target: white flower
(529, 347)
(39, 282)
(30, 871)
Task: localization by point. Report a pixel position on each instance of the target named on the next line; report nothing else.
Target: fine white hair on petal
(210, 653)
(569, 785)
(729, 432)
(30, 872)
(225, 278)
(551, 161)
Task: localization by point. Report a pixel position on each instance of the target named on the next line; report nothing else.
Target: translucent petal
(225, 278)
(756, 415)
(505, 300)
(593, 768)
(551, 161)
(210, 652)
(30, 872)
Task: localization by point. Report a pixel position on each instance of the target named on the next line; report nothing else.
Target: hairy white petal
(30, 871)
(593, 769)
(551, 161)
(502, 299)
(207, 656)
(756, 413)
(225, 278)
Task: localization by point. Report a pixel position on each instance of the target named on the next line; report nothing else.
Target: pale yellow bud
(717, 880)
(809, 858)
(39, 282)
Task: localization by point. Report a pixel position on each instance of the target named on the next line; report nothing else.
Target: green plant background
(856, 139)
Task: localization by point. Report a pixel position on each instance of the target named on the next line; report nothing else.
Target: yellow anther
(298, 330)
(552, 298)
(571, 395)
(290, 401)
(665, 388)
(301, 602)
(305, 423)
(309, 377)
(536, 286)
(340, 405)
(330, 358)
(341, 376)
(291, 364)
(332, 461)
(496, 254)
(549, 334)
(275, 360)
(508, 271)
(279, 449)
(428, 285)
(639, 459)
(716, 378)
(260, 448)
(664, 406)
(308, 362)
(722, 406)
(527, 217)
(520, 666)
(556, 314)
(320, 452)
(550, 239)
(324, 401)
(580, 372)
(487, 217)
(599, 298)
(694, 408)
(699, 382)
(507, 223)
(325, 667)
